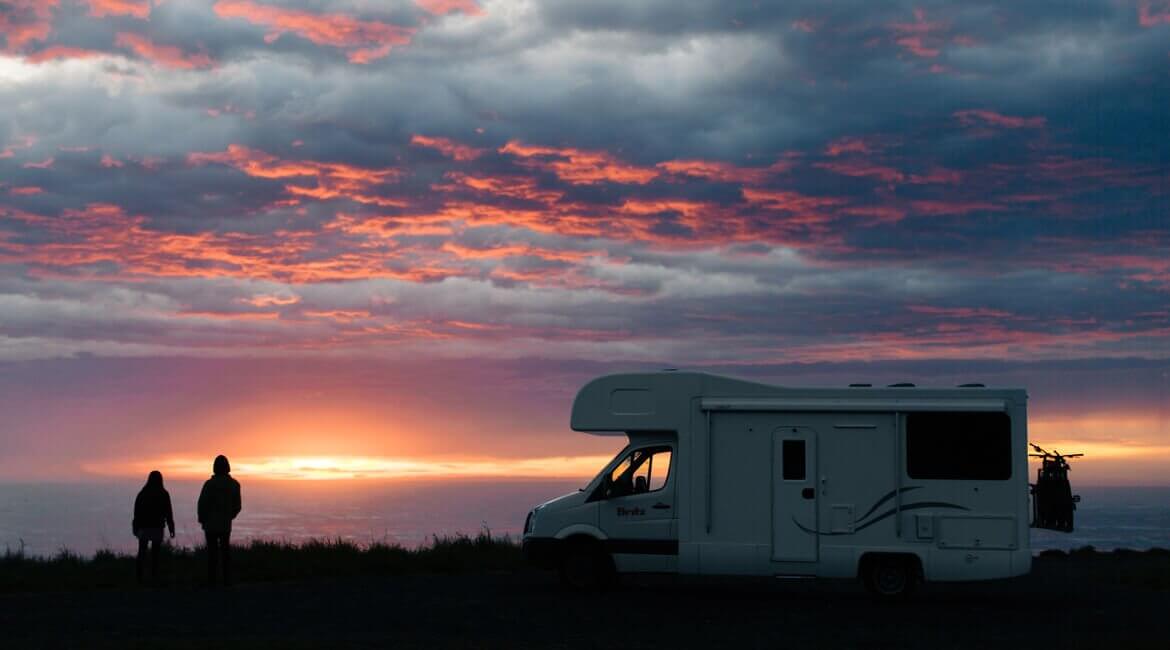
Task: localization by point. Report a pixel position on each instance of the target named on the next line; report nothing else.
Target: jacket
(152, 509)
(219, 503)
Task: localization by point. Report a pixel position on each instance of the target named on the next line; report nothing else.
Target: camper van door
(794, 490)
(637, 513)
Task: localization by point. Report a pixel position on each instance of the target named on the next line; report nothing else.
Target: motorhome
(892, 485)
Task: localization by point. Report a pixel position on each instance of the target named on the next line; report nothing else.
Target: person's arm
(237, 500)
(201, 506)
(170, 513)
(137, 512)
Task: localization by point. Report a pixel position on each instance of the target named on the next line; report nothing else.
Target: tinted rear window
(959, 446)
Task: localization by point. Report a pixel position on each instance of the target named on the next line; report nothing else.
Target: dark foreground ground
(1088, 600)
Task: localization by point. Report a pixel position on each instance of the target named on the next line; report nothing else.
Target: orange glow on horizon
(1118, 448)
(325, 468)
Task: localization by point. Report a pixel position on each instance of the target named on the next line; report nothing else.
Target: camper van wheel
(890, 576)
(585, 566)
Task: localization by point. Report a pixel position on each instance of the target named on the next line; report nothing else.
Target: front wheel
(890, 578)
(585, 567)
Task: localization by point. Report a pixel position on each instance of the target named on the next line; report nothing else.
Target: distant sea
(44, 518)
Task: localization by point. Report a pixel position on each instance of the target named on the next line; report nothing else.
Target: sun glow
(324, 468)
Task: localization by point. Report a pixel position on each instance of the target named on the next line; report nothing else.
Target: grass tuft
(264, 561)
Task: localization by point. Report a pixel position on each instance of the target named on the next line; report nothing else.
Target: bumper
(543, 551)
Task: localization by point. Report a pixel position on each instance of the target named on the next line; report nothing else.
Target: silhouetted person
(152, 511)
(219, 503)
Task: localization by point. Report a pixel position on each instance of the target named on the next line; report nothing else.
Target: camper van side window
(959, 446)
(659, 469)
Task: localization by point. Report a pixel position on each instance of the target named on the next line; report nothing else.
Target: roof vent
(901, 385)
(860, 385)
(972, 386)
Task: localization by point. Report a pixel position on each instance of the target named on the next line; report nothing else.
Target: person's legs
(138, 566)
(155, 551)
(226, 553)
(212, 551)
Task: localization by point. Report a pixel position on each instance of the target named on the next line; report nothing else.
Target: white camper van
(726, 477)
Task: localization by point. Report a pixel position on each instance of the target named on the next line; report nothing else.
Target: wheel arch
(581, 530)
(867, 558)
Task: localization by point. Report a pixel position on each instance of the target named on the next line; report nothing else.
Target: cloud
(136, 8)
(922, 38)
(976, 117)
(1150, 14)
(363, 40)
(23, 22)
(167, 56)
(333, 180)
(447, 147)
(443, 7)
(580, 167)
(625, 159)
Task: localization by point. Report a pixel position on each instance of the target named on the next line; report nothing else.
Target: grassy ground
(261, 561)
(464, 593)
(267, 561)
(1144, 570)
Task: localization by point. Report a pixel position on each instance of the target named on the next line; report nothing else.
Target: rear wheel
(585, 566)
(890, 577)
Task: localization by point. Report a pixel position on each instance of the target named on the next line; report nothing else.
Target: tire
(890, 578)
(585, 567)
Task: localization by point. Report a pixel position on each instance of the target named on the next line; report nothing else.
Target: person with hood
(219, 503)
(152, 511)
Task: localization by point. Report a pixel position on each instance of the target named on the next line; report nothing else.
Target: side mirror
(1076, 498)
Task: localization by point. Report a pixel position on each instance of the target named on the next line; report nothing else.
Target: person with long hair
(219, 503)
(152, 511)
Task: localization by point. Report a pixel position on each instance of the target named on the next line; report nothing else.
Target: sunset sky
(392, 238)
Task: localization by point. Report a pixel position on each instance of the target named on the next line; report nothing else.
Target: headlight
(530, 520)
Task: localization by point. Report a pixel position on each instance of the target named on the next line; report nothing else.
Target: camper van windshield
(642, 469)
(624, 464)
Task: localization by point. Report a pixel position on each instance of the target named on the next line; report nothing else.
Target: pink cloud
(109, 161)
(44, 164)
(849, 145)
(447, 147)
(62, 52)
(1151, 14)
(21, 142)
(333, 180)
(135, 8)
(579, 166)
(517, 187)
(443, 7)
(791, 201)
(863, 168)
(723, 171)
(167, 56)
(363, 40)
(921, 38)
(25, 21)
(984, 117)
(25, 190)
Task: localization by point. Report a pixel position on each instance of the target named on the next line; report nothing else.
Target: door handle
(809, 493)
(660, 506)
